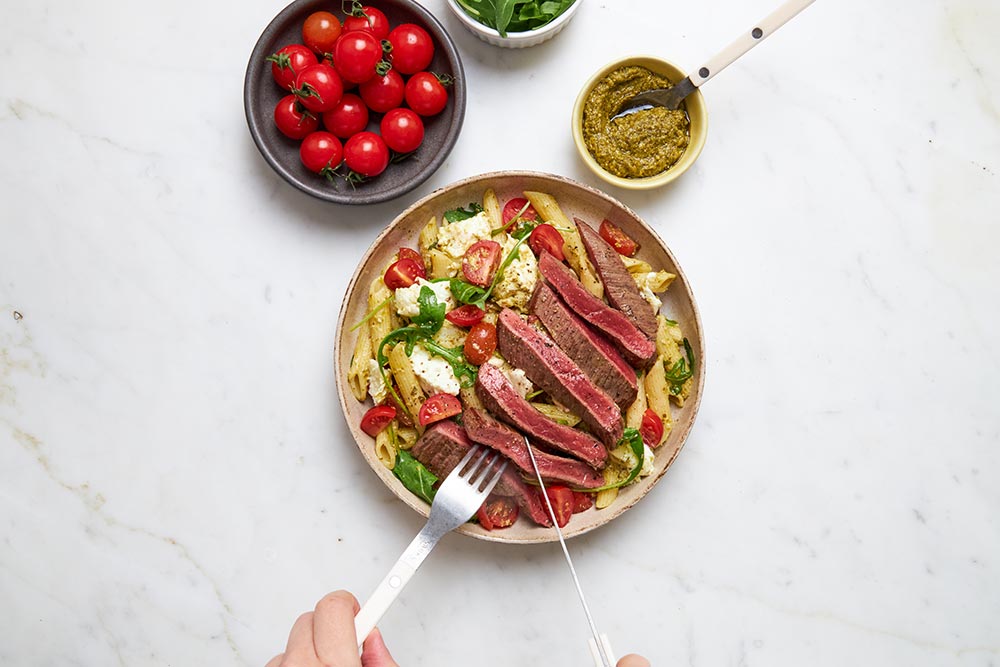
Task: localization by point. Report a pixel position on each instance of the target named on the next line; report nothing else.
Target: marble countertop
(177, 482)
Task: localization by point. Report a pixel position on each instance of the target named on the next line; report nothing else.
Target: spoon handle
(748, 40)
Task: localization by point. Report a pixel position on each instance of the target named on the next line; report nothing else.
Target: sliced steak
(500, 398)
(442, 447)
(625, 336)
(485, 430)
(619, 287)
(545, 364)
(591, 351)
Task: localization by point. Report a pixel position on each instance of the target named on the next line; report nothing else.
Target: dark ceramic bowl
(261, 94)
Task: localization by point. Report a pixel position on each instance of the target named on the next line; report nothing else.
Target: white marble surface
(176, 482)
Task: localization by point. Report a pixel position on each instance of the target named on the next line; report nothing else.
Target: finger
(275, 661)
(333, 630)
(300, 651)
(633, 660)
(375, 653)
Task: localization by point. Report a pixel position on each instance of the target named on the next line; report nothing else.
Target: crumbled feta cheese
(407, 304)
(519, 278)
(517, 378)
(434, 373)
(647, 461)
(651, 298)
(376, 383)
(456, 237)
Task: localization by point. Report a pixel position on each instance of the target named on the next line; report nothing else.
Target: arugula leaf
(431, 315)
(415, 476)
(514, 15)
(633, 440)
(681, 371)
(525, 229)
(467, 292)
(456, 214)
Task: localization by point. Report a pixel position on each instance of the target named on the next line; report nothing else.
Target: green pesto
(644, 143)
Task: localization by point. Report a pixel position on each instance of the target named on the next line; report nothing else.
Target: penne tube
(491, 207)
(385, 450)
(633, 416)
(406, 437)
(428, 240)
(406, 380)
(443, 265)
(636, 265)
(556, 414)
(658, 396)
(469, 398)
(358, 373)
(380, 323)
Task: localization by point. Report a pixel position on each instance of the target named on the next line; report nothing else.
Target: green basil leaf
(415, 476)
(456, 214)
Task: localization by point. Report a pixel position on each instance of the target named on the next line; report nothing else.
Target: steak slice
(485, 430)
(442, 447)
(500, 398)
(591, 351)
(546, 365)
(619, 287)
(630, 341)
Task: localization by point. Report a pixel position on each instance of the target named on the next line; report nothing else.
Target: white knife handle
(596, 654)
(380, 601)
(748, 40)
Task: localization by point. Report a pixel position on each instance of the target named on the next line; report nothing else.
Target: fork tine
(483, 476)
(473, 472)
(465, 459)
(496, 476)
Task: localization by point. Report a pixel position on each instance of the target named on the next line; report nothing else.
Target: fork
(459, 496)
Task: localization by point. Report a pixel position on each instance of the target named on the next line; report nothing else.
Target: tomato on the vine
(318, 87)
(366, 154)
(370, 19)
(618, 239)
(288, 61)
(403, 273)
(320, 32)
(402, 130)
(514, 206)
(356, 54)
(321, 152)
(438, 407)
(425, 94)
(497, 512)
(481, 343)
(382, 93)
(293, 120)
(465, 316)
(377, 418)
(412, 48)
(348, 117)
(546, 237)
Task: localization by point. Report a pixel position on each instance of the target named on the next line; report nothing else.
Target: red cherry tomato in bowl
(481, 261)
(288, 61)
(546, 237)
(348, 117)
(651, 428)
(425, 94)
(618, 239)
(356, 54)
(481, 343)
(412, 48)
(321, 152)
(465, 316)
(403, 273)
(318, 87)
(320, 32)
(366, 154)
(369, 19)
(377, 419)
(293, 120)
(497, 512)
(438, 407)
(402, 130)
(561, 498)
(382, 93)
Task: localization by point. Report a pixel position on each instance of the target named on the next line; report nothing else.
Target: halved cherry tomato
(561, 498)
(410, 253)
(319, 87)
(582, 501)
(412, 48)
(651, 428)
(497, 512)
(480, 343)
(511, 209)
(465, 316)
(546, 237)
(320, 32)
(403, 273)
(377, 419)
(618, 239)
(370, 19)
(438, 407)
(425, 94)
(348, 117)
(294, 120)
(481, 261)
(288, 62)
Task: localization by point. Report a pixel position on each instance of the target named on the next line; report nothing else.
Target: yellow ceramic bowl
(695, 105)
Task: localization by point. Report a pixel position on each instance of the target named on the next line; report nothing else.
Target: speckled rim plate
(576, 199)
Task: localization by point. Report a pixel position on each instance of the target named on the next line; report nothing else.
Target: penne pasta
(556, 414)
(380, 323)
(636, 265)
(450, 335)
(358, 373)
(633, 416)
(442, 265)
(385, 450)
(406, 380)
(658, 396)
(549, 210)
(427, 240)
(491, 207)
(470, 399)
(611, 475)
(406, 437)
(669, 352)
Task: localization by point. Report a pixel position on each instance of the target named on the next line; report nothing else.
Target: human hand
(325, 637)
(633, 660)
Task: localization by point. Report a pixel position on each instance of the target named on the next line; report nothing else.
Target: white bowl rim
(476, 26)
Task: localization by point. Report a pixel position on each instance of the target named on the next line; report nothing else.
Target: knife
(600, 647)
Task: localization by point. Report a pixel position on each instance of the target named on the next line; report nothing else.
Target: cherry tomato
(561, 498)
(402, 130)
(618, 239)
(465, 316)
(651, 428)
(321, 152)
(546, 237)
(382, 93)
(292, 119)
(403, 273)
(582, 501)
(497, 512)
(356, 54)
(481, 261)
(480, 343)
(320, 32)
(348, 117)
(371, 20)
(511, 209)
(412, 48)
(425, 94)
(288, 61)
(365, 153)
(318, 87)
(377, 419)
(410, 253)
(438, 407)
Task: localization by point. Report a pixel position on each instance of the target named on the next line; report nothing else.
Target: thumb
(375, 654)
(633, 660)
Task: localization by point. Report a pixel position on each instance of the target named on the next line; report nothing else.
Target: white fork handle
(596, 655)
(748, 40)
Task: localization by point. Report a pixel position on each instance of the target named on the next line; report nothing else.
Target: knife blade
(600, 648)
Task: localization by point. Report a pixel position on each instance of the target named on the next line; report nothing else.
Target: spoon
(672, 97)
